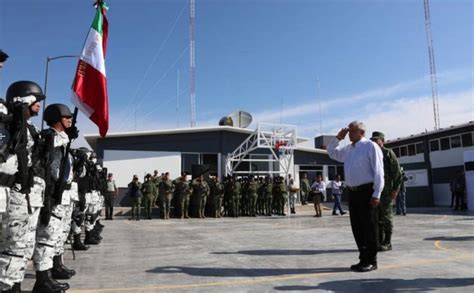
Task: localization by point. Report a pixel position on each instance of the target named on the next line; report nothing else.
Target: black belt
(7, 179)
(361, 187)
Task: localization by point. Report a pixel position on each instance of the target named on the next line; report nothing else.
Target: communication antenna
(192, 62)
(320, 112)
(434, 82)
(177, 100)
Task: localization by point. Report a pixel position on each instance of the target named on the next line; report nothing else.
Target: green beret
(377, 134)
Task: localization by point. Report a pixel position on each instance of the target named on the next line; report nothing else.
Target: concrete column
(469, 173)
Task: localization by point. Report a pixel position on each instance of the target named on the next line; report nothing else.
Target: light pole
(46, 77)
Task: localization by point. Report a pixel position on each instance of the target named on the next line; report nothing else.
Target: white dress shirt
(363, 163)
(336, 187)
(318, 186)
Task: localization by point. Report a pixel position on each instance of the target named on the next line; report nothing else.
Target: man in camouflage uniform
(236, 192)
(149, 193)
(305, 189)
(217, 195)
(393, 177)
(134, 191)
(201, 191)
(267, 196)
(252, 189)
(165, 194)
(21, 201)
(47, 256)
(182, 193)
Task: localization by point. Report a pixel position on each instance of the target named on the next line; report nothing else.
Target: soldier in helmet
(149, 191)
(3, 58)
(201, 192)
(165, 192)
(47, 256)
(26, 186)
(182, 192)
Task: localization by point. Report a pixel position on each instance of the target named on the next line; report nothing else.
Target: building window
(420, 148)
(411, 150)
(466, 139)
(211, 160)
(340, 171)
(403, 151)
(455, 142)
(434, 145)
(397, 152)
(331, 172)
(444, 143)
(187, 161)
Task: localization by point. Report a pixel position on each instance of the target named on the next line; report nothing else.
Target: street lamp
(46, 77)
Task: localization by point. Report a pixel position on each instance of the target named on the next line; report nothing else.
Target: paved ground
(433, 251)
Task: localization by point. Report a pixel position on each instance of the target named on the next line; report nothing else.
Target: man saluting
(364, 174)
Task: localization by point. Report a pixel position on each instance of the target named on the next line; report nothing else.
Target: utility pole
(434, 82)
(177, 100)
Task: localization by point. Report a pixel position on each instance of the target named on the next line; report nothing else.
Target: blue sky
(370, 56)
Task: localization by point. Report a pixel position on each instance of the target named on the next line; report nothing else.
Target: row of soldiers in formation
(48, 191)
(248, 196)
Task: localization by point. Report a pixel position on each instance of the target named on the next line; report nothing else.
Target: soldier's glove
(72, 132)
(45, 213)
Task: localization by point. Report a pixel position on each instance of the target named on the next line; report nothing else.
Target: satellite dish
(241, 119)
(226, 121)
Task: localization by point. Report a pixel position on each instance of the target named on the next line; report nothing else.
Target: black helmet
(3, 56)
(54, 112)
(24, 88)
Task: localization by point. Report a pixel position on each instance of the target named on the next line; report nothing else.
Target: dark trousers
(459, 200)
(109, 205)
(364, 223)
(337, 204)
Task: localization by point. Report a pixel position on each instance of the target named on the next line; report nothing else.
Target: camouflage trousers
(66, 228)
(78, 219)
(93, 209)
(19, 233)
(47, 238)
(385, 218)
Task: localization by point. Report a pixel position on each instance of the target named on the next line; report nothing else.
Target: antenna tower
(192, 62)
(434, 82)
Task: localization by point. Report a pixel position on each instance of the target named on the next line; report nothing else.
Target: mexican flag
(90, 83)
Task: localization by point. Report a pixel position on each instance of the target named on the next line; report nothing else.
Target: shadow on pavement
(287, 252)
(384, 285)
(465, 219)
(460, 238)
(238, 272)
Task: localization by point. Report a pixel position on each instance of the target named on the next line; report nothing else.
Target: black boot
(16, 288)
(45, 284)
(90, 239)
(78, 245)
(293, 211)
(97, 223)
(59, 270)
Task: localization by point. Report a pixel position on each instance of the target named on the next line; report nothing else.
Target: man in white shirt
(364, 177)
(318, 188)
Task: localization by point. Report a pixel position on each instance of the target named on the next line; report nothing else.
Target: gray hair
(359, 125)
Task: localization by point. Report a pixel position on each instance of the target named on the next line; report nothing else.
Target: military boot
(387, 242)
(78, 244)
(16, 288)
(293, 211)
(45, 284)
(186, 216)
(59, 270)
(90, 239)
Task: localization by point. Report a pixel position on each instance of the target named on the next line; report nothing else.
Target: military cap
(3, 56)
(377, 134)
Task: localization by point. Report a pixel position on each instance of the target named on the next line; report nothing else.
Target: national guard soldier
(58, 181)
(393, 179)
(80, 206)
(236, 192)
(94, 198)
(217, 195)
(165, 194)
(135, 194)
(260, 198)
(201, 190)
(227, 195)
(21, 181)
(149, 191)
(252, 189)
(305, 189)
(244, 197)
(268, 196)
(283, 196)
(182, 195)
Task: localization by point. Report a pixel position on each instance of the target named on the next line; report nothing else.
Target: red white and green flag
(90, 83)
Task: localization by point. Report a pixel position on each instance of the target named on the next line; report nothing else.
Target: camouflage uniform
(283, 197)
(201, 190)
(392, 182)
(149, 192)
(236, 189)
(252, 189)
(182, 193)
(19, 233)
(217, 193)
(305, 189)
(165, 194)
(268, 196)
